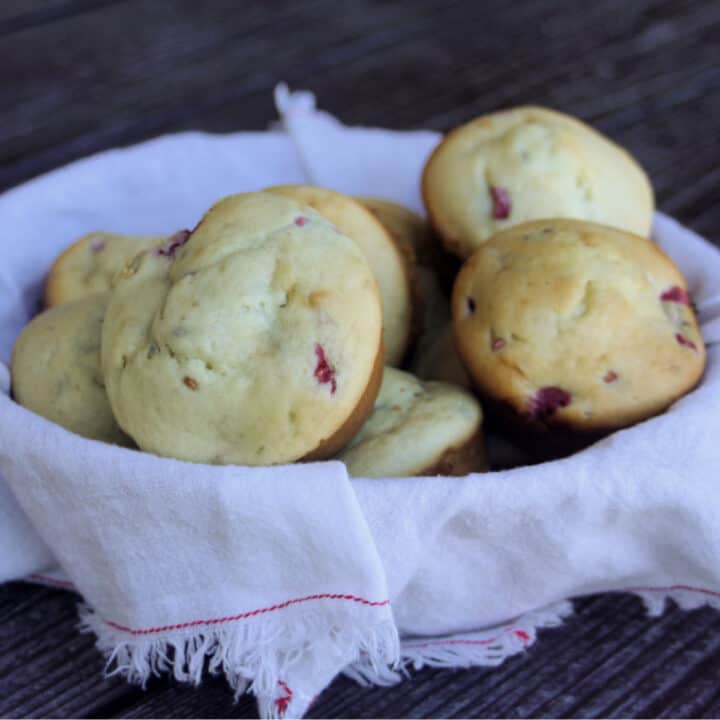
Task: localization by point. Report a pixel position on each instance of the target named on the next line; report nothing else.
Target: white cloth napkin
(284, 576)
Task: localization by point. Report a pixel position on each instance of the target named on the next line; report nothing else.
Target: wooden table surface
(79, 76)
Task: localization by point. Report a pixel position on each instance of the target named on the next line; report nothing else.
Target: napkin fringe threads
(253, 659)
(491, 648)
(255, 654)
(488, 648)
(684, 596)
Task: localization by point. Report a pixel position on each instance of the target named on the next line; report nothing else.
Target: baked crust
(347, 431)
(391, 265)
(418, 428)
(88, 265)
(56, 373)
(529, 163)
(575, 329)
(253, 340)
(469, 457)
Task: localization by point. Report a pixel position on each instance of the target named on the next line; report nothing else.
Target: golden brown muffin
(569, 324)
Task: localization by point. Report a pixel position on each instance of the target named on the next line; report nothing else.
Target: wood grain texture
(608, 660)
(46, 666)
(644, 72)
(80, 76)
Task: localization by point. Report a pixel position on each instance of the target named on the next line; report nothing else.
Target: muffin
(439, 360)
(56, 370)
(576, 328)
(408, 229)
(254, 340)
(418, 428)
(391, 266)
(528, 163)
(89, 264)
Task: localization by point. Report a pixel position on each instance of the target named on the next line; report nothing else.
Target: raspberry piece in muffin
(676, 294)
(547, 401)
(501, 203)
(173, 244)
(682, 340)
(324, 372)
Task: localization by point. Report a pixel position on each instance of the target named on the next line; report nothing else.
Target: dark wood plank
(197, 63)
(612, 632)
(16, 15)
(46, 666)
(633, 42)
(608, 660)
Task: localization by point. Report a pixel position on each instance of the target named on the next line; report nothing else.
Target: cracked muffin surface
(528, 163)
(576, 324)
(255, 339)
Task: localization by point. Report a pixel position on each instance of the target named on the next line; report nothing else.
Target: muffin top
(416, 428)
(89, 264)
(529, 163)
(391, 266)
(575, 323)
(56, 369)
(255, 339)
